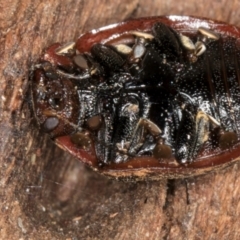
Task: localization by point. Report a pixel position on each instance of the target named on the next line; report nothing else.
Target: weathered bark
(45, 193)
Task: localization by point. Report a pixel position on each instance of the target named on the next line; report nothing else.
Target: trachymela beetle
(147, 98)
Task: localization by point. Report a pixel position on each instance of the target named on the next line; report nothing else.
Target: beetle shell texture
(148, 98)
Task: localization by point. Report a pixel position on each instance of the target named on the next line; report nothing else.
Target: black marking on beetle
(170, 100)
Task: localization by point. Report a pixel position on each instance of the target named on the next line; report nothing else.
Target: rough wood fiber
(45, 194)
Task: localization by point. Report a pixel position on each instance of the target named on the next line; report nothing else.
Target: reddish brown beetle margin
(141, 168)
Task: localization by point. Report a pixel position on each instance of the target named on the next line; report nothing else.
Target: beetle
(148, 98)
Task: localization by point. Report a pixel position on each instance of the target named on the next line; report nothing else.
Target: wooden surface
(46, 194)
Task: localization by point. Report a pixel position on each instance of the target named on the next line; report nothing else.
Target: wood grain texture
(46, 194)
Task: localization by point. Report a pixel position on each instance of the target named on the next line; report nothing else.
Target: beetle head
(55, 101)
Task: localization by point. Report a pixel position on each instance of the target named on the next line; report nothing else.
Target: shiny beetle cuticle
(150, 98)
